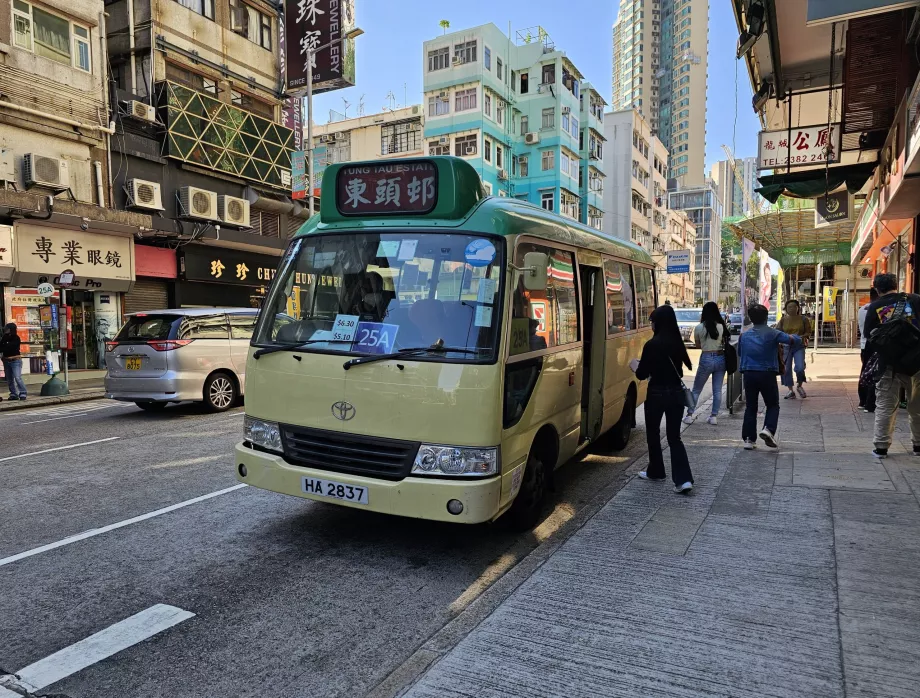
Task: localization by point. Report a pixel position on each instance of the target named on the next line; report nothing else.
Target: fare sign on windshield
(409, 186)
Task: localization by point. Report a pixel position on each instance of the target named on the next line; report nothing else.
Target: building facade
(702, 206)
(519, 112)
(396, 133)
(736, 189)
(659, 67)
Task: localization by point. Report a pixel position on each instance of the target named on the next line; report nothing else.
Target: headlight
(265, 435)
(451, 460)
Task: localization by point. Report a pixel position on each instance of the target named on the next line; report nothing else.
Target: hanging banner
(830, 304)
(780, 279)
(765, 279)
(832, 208)
(312, 24)
(750, 277)
(298, 175)
(291, 109)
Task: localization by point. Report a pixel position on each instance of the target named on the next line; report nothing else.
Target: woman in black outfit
(662, 358)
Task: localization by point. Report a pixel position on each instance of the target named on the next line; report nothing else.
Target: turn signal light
(168, 344)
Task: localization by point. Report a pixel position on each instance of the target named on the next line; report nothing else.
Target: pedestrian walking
(866, 389)
(710, 337)
(793, 322)
(893, 331)
(662, 358)
(10, 352)
(759, 348)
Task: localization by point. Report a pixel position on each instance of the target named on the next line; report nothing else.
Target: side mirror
(535, 276)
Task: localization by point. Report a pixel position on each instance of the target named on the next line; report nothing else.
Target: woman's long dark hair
(712, 318)
(668, 333)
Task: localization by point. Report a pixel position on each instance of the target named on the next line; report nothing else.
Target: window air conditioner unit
(142, 111)
(443, 95)
(339, 135)
(415, 109)
(197, 203)
(233, 211)
(532, 138)
(470, 150)
(444, 140)
(42, 171)
(457, 60)
(324, 138)
(566, 110)
(144, 194)
(503, 174)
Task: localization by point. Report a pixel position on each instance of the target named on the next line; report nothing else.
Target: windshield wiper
(293, 346)
(436, 348)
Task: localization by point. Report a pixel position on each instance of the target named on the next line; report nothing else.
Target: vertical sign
(311, 24)
(750, 277)
(298, 175)
(291, 109)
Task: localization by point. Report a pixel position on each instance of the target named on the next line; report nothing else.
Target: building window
(487, 149)
(439, 105)
(565, 122)
(248, 22)
(487, 57)
(464, 100)
(466, 146)
(525, 125)
(549, 118)
(205, 8)
(439, 148)
(439, 59)
(405, 137)
(547, 200)
(548, 160)
(499, 112)
(251, 104)
(499, 69)
(564, 162)
(51, 36)
(549, 74)
(487, 104)
(190, 79)
(465, 52)
(499, 157)
(525, 83)
(522, 165)
(574, 129)
(568, 204)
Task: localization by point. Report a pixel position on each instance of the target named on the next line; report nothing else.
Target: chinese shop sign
(798, 147)
(312, 24)
(369, 190)
(98, 261)
(224, 266)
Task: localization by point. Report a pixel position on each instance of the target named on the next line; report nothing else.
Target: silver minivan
(163, 356)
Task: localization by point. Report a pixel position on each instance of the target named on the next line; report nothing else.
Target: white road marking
(7, 693)
(59, 448)
(101, 645)
(54, 419)
(111, 527)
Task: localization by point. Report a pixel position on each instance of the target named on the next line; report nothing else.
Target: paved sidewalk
(792, 573)
(81, 390)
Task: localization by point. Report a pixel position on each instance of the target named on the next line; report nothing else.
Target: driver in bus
(374, 301)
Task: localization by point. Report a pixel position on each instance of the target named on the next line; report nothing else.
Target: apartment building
(659, 67)
(735, 189)
(703, 208)
(517, 110)
(679, 288)
(395, 133)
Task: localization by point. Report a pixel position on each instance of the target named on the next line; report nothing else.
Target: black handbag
(731, 355)
(689, 400)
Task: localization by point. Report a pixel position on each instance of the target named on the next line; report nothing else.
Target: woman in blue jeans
(710, 336)
(10, 351)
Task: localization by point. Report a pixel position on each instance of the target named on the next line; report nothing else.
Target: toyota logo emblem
(343, 411)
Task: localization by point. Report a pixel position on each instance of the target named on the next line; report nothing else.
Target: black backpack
(897, 340)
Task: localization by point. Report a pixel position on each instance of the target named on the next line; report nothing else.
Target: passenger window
(204, 327)
(645, 296)
(621, 309)
(242, 326)
(544, 319)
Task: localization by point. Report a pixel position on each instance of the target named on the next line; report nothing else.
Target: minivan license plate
(334, 490)
(133, 363)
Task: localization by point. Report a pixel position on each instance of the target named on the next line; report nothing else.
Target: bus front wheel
(527, 507)
(622, 430)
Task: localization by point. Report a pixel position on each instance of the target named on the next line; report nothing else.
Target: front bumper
(416, 497)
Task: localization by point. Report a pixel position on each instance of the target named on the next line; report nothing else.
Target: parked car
(163, 356)
(687, 320)
(771, 319)
(734, 323)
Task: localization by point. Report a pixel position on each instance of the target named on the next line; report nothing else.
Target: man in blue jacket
(759, 348)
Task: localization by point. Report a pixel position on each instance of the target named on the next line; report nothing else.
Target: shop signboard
(225, 266)
(832, 208)
(678, 262)
(311, 24)
(6, 253)
(42, 254)
(298, 175)
(798, 147)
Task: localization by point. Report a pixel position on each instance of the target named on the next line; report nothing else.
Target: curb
(12, 405)
(443, 640)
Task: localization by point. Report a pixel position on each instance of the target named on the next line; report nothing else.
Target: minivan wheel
(527, 507)
(220, 392)
(618, 439)
(152, 406)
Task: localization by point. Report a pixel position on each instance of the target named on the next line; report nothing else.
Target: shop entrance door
(84, 354)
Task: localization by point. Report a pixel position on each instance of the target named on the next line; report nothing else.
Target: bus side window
(645, 295)
(621, 312)
(544, 319)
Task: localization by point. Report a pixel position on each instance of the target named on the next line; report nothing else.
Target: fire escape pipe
(60, 119)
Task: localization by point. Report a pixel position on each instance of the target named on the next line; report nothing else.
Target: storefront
(103, 265)
(6, 262)
(220, 277)
(156, 270)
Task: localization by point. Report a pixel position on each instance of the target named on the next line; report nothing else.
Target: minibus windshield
(365, 294)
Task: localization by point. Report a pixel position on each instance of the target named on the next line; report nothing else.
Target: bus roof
(447, 193)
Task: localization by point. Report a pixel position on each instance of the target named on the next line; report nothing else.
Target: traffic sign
(679, 262)
(45, 290)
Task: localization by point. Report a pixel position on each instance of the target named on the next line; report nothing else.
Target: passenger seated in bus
(373, 304)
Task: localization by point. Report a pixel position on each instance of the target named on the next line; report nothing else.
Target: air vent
(144, 194)
(197, 203)
(39, 170)
(233, 211)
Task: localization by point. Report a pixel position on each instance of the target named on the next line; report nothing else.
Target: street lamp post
(311, 52)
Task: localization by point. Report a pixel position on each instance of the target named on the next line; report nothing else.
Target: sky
(389, 56)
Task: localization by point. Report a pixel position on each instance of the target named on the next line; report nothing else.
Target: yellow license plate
(133, 363)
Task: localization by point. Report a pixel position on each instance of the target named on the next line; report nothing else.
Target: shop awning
(812, 183)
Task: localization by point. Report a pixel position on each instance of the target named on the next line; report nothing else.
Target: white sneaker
(801, 391)
(683, 489)
(643, 475)
(749, 445)
(790, 395)
(769, 438)
(688, 419)
(712, 419)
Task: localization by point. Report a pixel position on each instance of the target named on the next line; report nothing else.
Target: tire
(220, 392)
(618, 438)
(152, 406)
(527, 507)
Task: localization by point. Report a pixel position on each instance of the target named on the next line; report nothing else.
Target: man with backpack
(893, 331)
